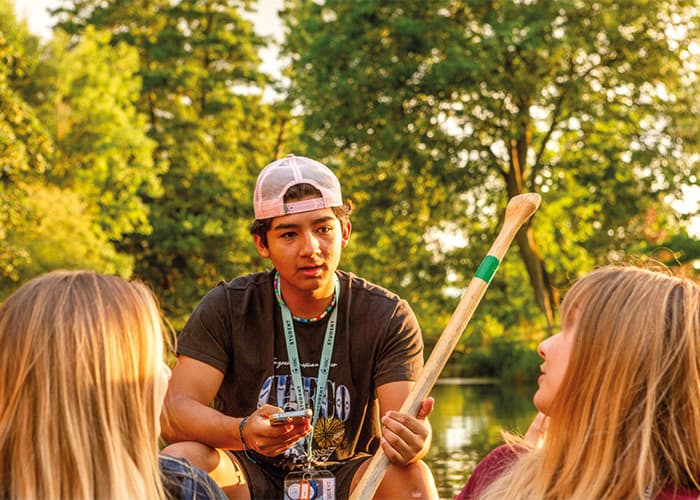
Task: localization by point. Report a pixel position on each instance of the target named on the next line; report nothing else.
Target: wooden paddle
(519, 209)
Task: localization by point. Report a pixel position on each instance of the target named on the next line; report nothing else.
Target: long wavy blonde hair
(79, 354)
(625, 422)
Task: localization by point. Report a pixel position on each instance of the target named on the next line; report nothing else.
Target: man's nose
(310, 245)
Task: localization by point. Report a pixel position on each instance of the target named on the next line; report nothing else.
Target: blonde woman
(82, 381)
(620, 388)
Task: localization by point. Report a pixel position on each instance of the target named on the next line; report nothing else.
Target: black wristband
(245, 446)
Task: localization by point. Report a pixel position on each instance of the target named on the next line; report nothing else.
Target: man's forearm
(189, 420)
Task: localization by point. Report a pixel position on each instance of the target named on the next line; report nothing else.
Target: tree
(44, 226)
(25, 147)
(439, 112)
(57, 232)
(201, 91)
(354, 84)
(103, 152)
(25, 48)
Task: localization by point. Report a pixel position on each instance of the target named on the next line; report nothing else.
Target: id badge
(309, 484)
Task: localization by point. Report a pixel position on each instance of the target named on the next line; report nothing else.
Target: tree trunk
(545, 294)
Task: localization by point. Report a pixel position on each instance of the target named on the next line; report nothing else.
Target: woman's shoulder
(184, 481)
(670, 494)
(487, 471)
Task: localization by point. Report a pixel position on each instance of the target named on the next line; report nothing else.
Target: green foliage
(201, 92)
(103, 150)
(145, 119)
(512, 362)
(200, 225)
(25, 148)
(354, 67)
(501, 339)
(75, 159)
(436, 114)
(56, 232)
(25, 49)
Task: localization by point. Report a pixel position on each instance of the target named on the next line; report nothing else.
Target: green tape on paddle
(487, 268)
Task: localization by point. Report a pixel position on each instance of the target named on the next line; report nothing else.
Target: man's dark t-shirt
(237, 329)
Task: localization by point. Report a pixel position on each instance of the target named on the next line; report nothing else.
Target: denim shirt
(184, 481)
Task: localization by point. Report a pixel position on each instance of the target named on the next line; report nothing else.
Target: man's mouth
(311, 270)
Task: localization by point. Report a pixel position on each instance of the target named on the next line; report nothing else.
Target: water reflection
(467, 422)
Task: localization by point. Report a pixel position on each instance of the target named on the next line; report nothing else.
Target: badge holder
(309, 484)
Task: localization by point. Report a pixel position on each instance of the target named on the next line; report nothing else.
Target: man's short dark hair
(295, 193)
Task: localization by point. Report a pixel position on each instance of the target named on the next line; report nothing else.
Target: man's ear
(347, 229)
(260, 246)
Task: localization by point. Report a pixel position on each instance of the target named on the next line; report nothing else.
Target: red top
(504, 455)
(486, 472)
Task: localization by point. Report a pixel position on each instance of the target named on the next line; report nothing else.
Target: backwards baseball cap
(276, 178)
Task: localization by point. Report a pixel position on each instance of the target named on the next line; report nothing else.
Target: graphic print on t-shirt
(329, 431)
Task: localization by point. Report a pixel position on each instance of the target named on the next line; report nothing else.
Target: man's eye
(288, 235)
(325, 229)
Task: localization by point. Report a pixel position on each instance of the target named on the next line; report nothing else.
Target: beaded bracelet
(245, 446)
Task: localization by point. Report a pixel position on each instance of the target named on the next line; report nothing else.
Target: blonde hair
(625, 421)
(79, 353)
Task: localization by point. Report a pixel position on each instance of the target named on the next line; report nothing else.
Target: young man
(303, 335)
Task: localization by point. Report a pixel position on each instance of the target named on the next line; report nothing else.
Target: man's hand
(271, 440)
(406, 439)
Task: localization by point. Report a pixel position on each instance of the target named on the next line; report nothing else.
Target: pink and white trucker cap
(276, 178)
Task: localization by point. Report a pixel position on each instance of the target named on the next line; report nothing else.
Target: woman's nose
(542, 347)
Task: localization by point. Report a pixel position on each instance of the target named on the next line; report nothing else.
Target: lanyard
(324, 365)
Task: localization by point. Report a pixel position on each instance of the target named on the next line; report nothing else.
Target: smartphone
(291, 417)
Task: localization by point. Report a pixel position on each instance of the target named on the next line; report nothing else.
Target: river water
(466, 421)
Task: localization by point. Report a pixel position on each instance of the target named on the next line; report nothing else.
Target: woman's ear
(347, 229)
(260, 246)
